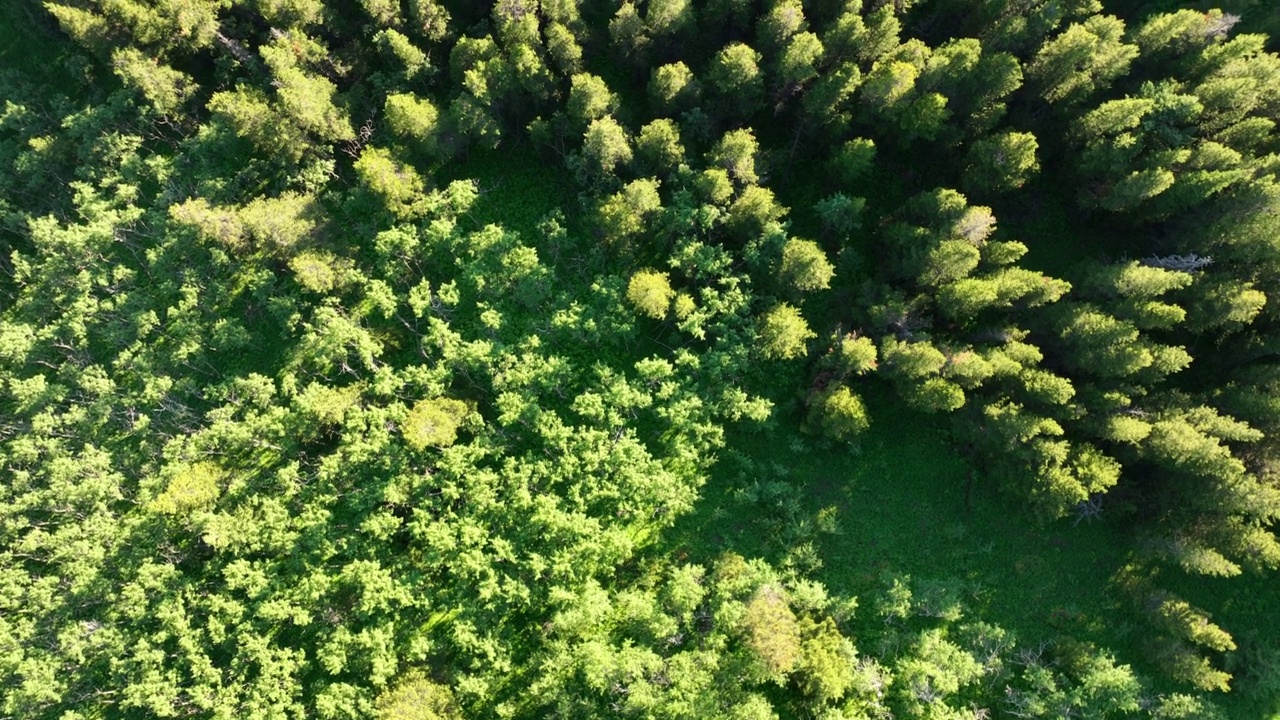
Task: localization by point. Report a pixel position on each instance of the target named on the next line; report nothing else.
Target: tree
(840, 215)
(189, 488)
(589, 99)
(165, 88)
(412, 60)
(804, 266)
(783, 333)
(1084, 59)
(605, 146)
(659, 145)
(671, 86)
(414, 696)
(622, 215)
(412, 118)
(854, 159)
(650, 292)
(736, 77)
(1001, 163)
(772, 632)
(400, 187)
(434, 423)
(838, 412)
(736, 153)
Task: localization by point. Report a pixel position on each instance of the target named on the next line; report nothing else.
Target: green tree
(165, 88)
(736, 77)
(412, 118)
(805, 266)
(772, 632)
(434, 423)
(838, 413)
(416, 697)
(589, 99)
(1084, 59)
(606, 145)
(659, 145)
(736, 153)
(783, 333)
(1001, 163)
(672, 86)
(650, 292)
(400, 188)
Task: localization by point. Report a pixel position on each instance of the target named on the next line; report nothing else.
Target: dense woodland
(426, 359)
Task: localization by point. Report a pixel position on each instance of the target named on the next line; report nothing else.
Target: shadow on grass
(896, 504)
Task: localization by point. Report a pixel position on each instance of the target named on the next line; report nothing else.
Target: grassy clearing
(896, 504)
(518, 188)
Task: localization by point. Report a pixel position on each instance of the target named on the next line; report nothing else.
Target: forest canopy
(745, 359)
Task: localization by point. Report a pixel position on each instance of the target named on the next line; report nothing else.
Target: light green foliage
(830, 99)
(433, 423)
(754, 210)
(780, 23)
(189, 488)
(249, 113)
(772, 632)
(888, 82)
(213, 224)
(911, 359)
(935, 669)
(280, 224)
(321, 271)
(1137, 187)
(411, 58)
(854, 158)
(622, 215)
(805, 266)
(1182, 30)
(291, 13)
(606, 145)
(735, 152)
(384, 13)
(783, 333)
(839, 413)
(165, 88)
(735, 74)
(415, 696)
(799, 61)
(412, 118)
(828, 664)
(589, 99)
(1084, 59)
(400, 188)
(659, 144)
(855, 355)
(360, 361)
(650, 292)
(670, 84)
(1001, 163)
(563, 48)
(715, 186)
(306, 98)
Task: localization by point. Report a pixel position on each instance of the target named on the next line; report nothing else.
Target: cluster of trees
(285, 432)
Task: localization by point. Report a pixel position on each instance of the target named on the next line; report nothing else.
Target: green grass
(518, 187)
(896, 504)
